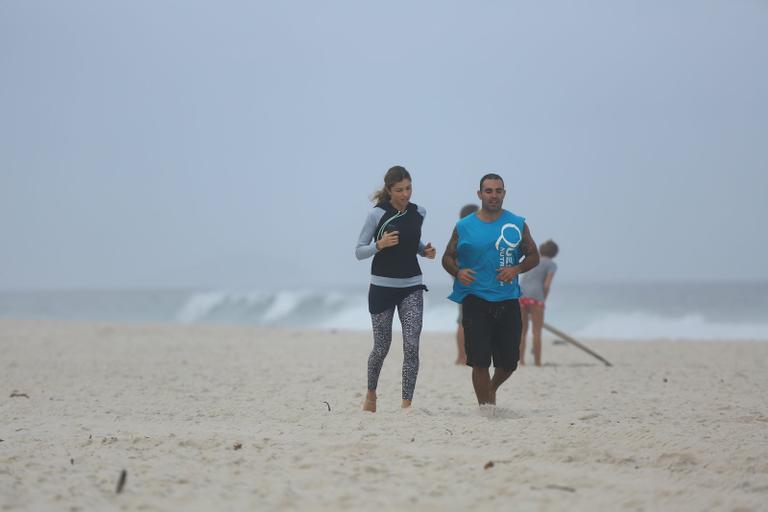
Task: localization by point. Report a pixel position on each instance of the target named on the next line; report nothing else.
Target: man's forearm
(450, 260)
(530, 252)
(450, 265)
(528, 263)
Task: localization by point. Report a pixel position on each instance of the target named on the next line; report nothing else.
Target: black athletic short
(491, 331)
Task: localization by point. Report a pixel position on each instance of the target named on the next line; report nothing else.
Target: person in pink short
(535, 285)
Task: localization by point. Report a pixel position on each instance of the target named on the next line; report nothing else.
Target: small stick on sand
(121, 481)
(329, 406)
(16, 394)
(561, 488)
(490, 463)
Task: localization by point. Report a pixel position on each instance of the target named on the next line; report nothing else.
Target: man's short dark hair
(491, 176)
(549, 249)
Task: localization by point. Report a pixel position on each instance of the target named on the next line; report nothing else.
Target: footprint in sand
(677, 461)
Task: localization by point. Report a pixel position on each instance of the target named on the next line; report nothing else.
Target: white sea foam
(637, 312)
(440, 316)
(199, 305)
(283, 305)
(349, 311)
(643, 325)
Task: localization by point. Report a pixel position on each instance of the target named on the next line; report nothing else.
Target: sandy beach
(220, 417)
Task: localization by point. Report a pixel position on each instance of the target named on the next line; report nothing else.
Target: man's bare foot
(488, 410)
(406, 404)
(492, 397)
(369, 404)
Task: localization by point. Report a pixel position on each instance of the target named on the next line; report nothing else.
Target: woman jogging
(392, 235)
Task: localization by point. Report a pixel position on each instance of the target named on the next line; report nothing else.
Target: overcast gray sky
(235, 144)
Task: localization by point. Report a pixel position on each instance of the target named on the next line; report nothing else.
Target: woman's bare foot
(406, 404)
(369, 404)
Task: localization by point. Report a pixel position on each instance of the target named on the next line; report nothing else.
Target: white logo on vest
(507, 255)
(509, 244)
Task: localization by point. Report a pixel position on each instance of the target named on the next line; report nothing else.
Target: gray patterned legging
(410, 311)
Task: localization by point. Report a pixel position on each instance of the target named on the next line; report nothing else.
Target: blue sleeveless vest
(486, 247)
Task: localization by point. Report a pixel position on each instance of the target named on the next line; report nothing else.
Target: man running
(486, 253)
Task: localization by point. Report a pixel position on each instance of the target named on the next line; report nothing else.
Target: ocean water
(610, 311)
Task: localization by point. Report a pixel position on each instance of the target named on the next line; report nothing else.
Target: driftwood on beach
(578, 344)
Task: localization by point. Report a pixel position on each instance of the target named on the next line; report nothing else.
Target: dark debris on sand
(121, 481)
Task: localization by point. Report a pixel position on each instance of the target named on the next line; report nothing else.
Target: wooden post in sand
(572, 341)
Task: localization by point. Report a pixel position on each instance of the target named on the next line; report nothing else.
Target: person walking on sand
(535, 286)
(392, 235)
(486, 253)
(461, 357)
